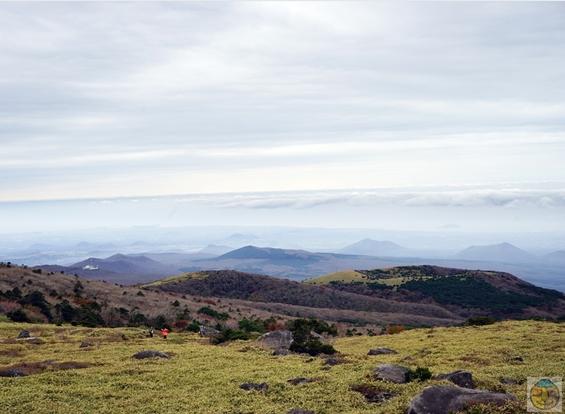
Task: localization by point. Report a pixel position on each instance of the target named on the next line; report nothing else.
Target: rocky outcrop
(392, 373)
(442, 399)
(208, 332)
(276, 340)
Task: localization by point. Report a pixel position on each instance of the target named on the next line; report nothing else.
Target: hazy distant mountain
(372, 247)
(295, 264)
(254, 252)
(239, 239)
(118, 268)
(215, 250)
(556, 257)
(503, 252)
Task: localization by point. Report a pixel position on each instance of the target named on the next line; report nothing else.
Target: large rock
(462, 378)
(151, 354)
(381, 351)
(208, 332)
(276, 340)
(391, 372)
(24, 334)
(446, 399)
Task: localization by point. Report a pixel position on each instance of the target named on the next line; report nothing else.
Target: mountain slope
(245, 286)
(465, 292)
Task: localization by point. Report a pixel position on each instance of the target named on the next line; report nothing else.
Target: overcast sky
(464, 102)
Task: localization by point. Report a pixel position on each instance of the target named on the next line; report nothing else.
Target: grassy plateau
(204, 378)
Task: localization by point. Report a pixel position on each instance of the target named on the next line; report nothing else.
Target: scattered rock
(381, 351)
(442, 399)
(31, 368)
(276, 340)
(32, 340)
(462, 378)
(517, 359)
(301, 380)
(334, 360)
(86, 344)
(391, 372)
(281, 352)
(151, 354)
(371, 393)
(208, 332)
(252, 386)
(24, 334)
(511, 381)
(300, 411)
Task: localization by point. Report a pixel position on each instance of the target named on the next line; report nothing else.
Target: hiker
(151, 331)
(164, 332)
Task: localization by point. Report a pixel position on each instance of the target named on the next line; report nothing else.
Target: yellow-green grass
(343, 276)
(177, 278)
(203, 378)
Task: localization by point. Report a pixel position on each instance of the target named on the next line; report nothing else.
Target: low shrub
(419, 374)
(480, 321)
(18, 315)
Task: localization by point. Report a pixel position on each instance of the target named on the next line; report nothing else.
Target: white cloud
(153, 98)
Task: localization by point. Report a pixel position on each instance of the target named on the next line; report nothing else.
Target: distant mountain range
(547, 271)
(370, 247)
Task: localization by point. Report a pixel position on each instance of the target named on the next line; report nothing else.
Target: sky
(424, 115)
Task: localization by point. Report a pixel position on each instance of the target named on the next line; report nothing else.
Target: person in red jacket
(164, 332)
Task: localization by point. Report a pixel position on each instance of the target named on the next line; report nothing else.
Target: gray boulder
(392, 373)
(462, 378)
(24, 334)
(276, 340)
(151, 354)
(381, 351)
(208, 332)
(446, 399)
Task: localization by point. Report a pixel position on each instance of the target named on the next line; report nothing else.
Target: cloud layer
(123, 99)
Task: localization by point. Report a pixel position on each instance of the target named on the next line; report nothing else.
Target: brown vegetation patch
(12, 353)
(31, 368)
(372, 393)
